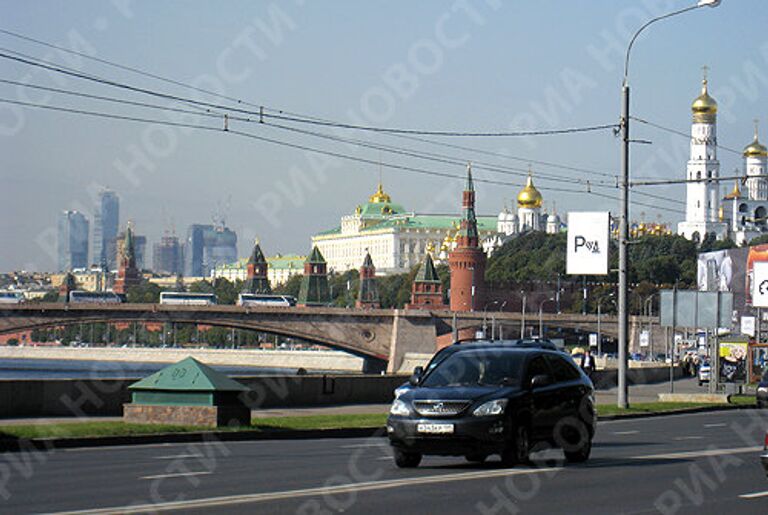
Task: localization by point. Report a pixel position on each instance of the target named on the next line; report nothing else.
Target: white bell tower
(702, 195)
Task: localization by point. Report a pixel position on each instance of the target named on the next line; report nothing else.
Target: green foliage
(50, 296)
(13, 342)
(290, 287)
(760, 240)
(710, 243)
(145, 293)
(530, 257)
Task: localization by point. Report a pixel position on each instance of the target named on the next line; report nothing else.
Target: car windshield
(477, 367)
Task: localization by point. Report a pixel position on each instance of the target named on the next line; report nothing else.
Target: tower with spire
(427, 289)
(368, 295)
(467, 260)
(314, 289)
(127, 273)
(703, 171)
(256, 269)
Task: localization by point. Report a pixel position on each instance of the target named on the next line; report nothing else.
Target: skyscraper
(208, 246)
(72, 241)
(106, 221)
(167, 256)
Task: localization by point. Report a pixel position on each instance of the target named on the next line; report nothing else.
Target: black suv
(494, 399)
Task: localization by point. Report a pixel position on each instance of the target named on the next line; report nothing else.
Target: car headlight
(399, 408)
(401, 390)
(489, 408)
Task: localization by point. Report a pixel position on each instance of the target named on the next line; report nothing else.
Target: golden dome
(529, 196)
(755, 149)
(704, 108)
(735, 193)
(380, 197)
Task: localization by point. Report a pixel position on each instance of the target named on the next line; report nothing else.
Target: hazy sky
(447, 65)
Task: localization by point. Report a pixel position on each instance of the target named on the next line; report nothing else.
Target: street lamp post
(624, 199)
(522, 314)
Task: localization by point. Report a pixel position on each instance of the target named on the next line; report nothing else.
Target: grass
(311, 422)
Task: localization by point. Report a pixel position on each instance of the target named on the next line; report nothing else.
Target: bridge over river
(382, 336)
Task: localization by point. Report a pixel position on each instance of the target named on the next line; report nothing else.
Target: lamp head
(708, 3)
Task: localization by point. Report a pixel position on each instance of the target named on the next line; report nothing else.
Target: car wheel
(518, 450)
(476, 458)
(760, 403)
(407, 460)
(700, 382)
(581, 454)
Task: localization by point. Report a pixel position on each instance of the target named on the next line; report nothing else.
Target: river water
(73, 369)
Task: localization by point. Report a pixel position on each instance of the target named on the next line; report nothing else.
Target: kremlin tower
(368, 295)
(427, 289)
(257, 281)
(127, 273)
(467, 260)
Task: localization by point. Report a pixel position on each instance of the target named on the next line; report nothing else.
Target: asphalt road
(698, 463)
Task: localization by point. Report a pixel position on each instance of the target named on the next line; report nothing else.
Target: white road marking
(626, 432)
(384, 458)
(308, 492)
(178, 474)
(701, 453)
(363, 445)
(680, 438)
(178, 456)
(754, 495)
(715, 425)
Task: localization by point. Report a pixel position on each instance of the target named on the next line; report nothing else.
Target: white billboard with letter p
(588, 243)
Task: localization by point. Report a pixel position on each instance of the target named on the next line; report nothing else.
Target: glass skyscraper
(106, 222)
(72, 241)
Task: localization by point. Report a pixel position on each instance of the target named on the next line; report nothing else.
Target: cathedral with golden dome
(739, 215)
(529, 217)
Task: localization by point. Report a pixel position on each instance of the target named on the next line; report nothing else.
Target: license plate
(435, 428)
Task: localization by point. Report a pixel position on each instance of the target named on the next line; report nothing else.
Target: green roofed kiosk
(187, 393)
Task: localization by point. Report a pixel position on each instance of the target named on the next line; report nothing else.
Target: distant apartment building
(105, 226)
(139, 249)
(72, 249)
(167, 256)
(207, 247)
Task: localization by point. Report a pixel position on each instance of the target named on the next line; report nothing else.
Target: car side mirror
(540, 380)
(416, 376)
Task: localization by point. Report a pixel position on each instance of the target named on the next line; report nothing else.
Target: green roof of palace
(188, 375)
(378, 209)
(419, 221)
(278, 262)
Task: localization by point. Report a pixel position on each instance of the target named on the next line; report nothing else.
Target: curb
(49, 444)
(681, 411)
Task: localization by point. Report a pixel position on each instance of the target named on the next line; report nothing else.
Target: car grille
(440, 408)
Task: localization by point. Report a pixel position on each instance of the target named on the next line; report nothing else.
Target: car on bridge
(494, 399)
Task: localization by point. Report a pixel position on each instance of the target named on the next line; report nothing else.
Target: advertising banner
(587, 243)
(732, 362)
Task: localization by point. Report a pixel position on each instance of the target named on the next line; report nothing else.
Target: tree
(144, 293)
(13, 342)
(760, 240)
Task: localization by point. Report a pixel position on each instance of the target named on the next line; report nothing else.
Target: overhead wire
(245, 102)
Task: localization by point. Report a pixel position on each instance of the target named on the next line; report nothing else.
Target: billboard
(731, 270)
(587, 243)
(732, 362)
